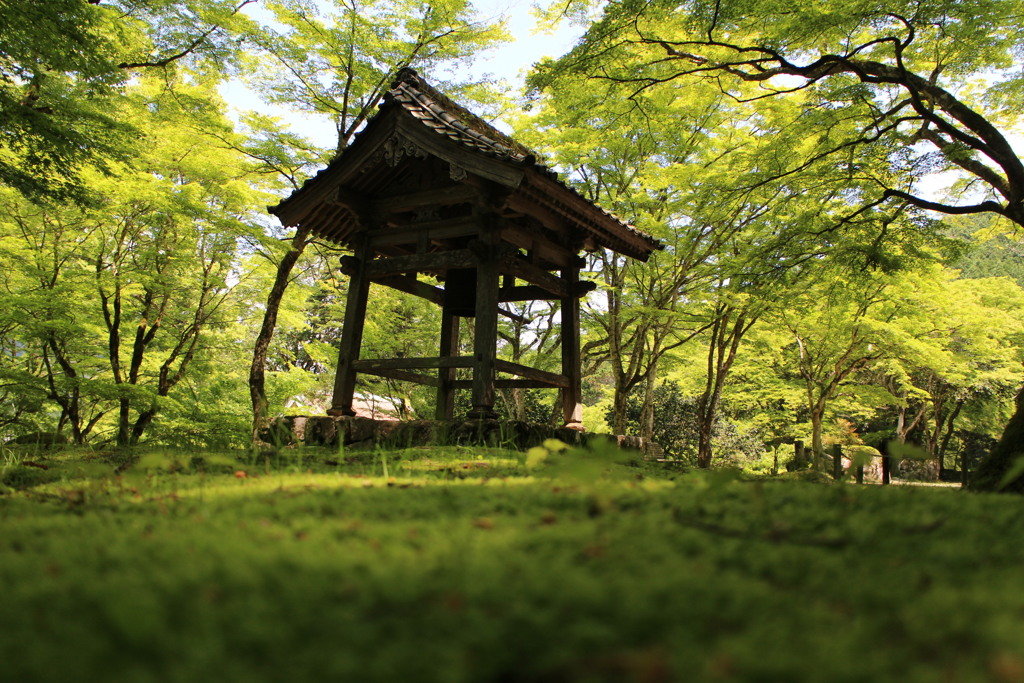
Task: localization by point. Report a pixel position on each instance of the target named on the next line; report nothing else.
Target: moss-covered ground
(483, 565)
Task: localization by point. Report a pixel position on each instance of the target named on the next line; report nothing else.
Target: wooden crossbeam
(403, 375)
(408, 201)
(429, 230)
(505, 384)
(411, 285)
(535, 293)
(550, 379)
(554, 285)
(412, 263)
(539, 245)
(545, 285)
(371, 364)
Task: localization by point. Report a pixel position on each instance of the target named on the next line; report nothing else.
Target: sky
(509, 62)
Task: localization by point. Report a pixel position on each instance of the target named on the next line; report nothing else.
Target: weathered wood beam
(445, 408)
(296, 209)
(368, 364)
(438, 261)
(332, 222)
(572, 393)
(535, 293)
(485, 326)
(550, 379)
(403, 375)
(515, 265)
(409, 201)
(492, 194)
(349, 265)
(356, 204)
(531, 207)
(429, 230)
(410, 285)
(538, 244)
(352, 334)
(603, 227)
(509, 174)
(506, 384)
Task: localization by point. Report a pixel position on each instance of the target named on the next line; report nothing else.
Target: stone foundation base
(918, 470)
(361, 432)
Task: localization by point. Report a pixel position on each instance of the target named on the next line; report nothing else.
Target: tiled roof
(446, 117)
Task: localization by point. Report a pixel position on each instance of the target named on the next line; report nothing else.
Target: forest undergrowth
(463, 564)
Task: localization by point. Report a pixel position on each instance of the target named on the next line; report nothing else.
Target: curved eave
(315, 205)
(319, 190)
(605, 229)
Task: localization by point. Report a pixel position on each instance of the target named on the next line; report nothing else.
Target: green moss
(322, 571)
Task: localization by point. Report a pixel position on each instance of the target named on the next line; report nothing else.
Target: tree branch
(170, 59)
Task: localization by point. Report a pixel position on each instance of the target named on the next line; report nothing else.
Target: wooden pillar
(449, 347)
(837, 461)
(351, 332)
(485, 329)
(572, 396)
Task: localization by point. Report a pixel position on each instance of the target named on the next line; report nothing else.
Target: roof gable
(415, 122)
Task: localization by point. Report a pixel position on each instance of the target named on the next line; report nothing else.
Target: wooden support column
(352, 330)
(572, 395)
(445, 410)
(485, 330)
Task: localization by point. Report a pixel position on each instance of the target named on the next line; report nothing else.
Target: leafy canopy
(891, 93)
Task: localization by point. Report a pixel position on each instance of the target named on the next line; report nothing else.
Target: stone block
(361, 432)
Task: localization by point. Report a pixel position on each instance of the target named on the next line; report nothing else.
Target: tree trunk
(704, 452)
(72, 410)
(993, 468)
(257, 371)
(707, 412)
(619, 408)
(647, 415)
(69, 404)
(817, 449)
(141, 424)
(837, 462)
(722, 350)
(944, 443)
(124, 423)
(883, 448)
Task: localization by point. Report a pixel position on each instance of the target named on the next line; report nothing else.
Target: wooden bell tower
(429, 193)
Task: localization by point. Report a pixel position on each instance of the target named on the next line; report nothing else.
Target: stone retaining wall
(360, 432)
